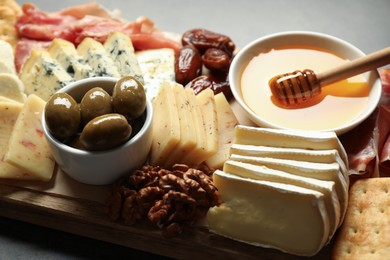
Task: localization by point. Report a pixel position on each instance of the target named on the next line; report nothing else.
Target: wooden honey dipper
(299, 86)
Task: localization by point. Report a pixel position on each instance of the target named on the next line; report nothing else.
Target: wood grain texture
(88, 218)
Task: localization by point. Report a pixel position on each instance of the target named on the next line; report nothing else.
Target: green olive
(105, 132)
(62, 115)
(129, 98)
(95, 102)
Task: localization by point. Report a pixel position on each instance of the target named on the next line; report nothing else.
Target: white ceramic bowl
(299, 38)
(102, 167)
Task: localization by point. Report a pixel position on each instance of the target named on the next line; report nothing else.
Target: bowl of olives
(99, 128)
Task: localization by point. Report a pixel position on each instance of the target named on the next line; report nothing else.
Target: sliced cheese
(7, 63)
(227, 121)
(206, 103)
(157, 66)
(199, 153)
(12, 87)
(9, 113)
(27, 147)
(42, 75)
(319, 171)
(95, 55)
(289, 139)
(66, 55)
(188, 134)
(282, 216)
(166, 125)
(259, 172)
(120, 48)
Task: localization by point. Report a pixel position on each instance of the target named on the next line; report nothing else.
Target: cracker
(17, 10)
(365, 233)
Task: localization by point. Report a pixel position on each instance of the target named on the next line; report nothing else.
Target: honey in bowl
(337, 104)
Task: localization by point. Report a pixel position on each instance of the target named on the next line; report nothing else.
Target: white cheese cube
(282, 216)
(27, 147)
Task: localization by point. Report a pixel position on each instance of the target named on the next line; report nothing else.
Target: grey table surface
(363, 23)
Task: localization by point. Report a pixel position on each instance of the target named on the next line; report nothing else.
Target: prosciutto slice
(78, 22)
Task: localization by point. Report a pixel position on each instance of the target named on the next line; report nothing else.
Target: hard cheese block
(27, 147)
(121, 50)
(9, 112)
(227, 122)
(260, 213)
(42, 75)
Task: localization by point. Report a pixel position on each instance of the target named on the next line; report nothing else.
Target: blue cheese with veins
(121, 50)
(157, 66)
(66, 54)
(42, 75)
(94, 54)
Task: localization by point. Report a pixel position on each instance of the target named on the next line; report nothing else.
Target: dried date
(204, 39)
(188, 64)
(216, 59)
(217, 84)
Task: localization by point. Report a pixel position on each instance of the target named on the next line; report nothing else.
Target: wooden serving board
(66, 205)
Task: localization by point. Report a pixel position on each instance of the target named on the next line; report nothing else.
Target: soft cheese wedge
(298, 154)
(188, 133)
(9, 112)
(246, 170)
(289, 139)
(7, 63)
(320, 171)
(66, 54)
(166, 125)
(227, 121)
(42, 75)
(27, 147)
(95, 55)
(282, 216)
(12, 87)
(157, 66)
(120, 48)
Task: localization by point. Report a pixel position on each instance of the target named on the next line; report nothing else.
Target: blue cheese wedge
(12, 87)
(95, 55)
(157, 66)
(27, 147)
(121, 50)
(42, 75)
(66, 55)
(269, 214)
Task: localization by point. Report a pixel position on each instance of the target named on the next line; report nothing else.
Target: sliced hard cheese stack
(12, 87)
(27, 147)
(95, 55)
(166, 125)
(66, 54)
(9, 112)
(290, 139)
(320, 171)
(42, 75)
(121, 50)
(227, 122)
(188, 132)
(246, 170)
(157, 66)
(287, 217)
(206, 103)
(299, 154)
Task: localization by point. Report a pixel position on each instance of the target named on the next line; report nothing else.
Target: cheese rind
(121, 50)
(261, 172)
(27, 147)
(227, 122)
(282, 216)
